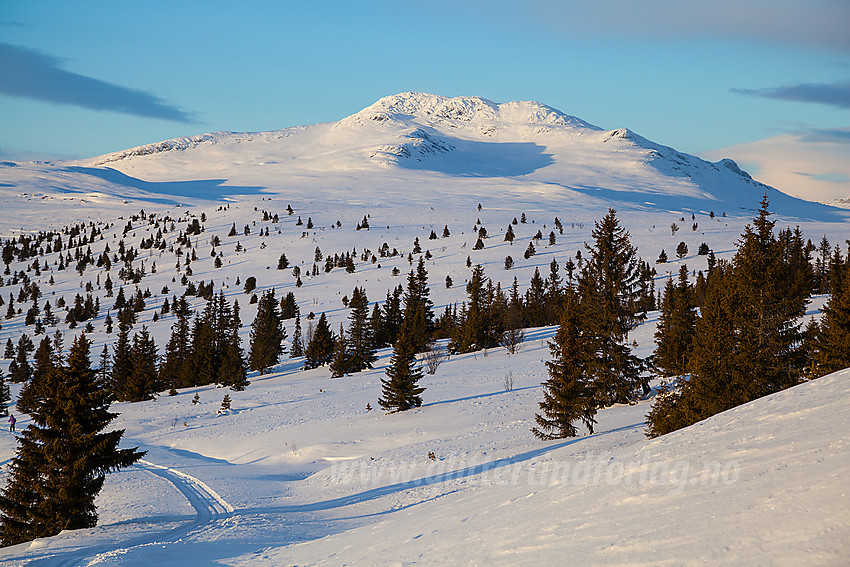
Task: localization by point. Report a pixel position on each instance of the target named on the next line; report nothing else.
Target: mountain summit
(420, 145)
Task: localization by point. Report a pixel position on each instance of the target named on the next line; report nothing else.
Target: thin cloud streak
(821, 24)
(30, 74)
(834, 94)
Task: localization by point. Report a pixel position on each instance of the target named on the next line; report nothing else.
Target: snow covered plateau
(300, 472)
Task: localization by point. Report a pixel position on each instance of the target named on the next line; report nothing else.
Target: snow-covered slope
(300, 473)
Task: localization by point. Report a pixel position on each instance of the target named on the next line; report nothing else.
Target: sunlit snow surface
(299, 472)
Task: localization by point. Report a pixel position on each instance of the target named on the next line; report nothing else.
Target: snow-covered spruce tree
(400, 390)
(608, 288)
(63, 456)
(267, 334)
(568, 397)
(320, 349)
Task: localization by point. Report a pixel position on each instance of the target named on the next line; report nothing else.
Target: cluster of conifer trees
(592, 363)
(64, 454)
(733, 335)
(737, 334)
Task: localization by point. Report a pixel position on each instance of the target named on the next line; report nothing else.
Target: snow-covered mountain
(299, 471)
(417, 147)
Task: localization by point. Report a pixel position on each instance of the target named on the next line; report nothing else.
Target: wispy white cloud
(29, 74)
(813, 164)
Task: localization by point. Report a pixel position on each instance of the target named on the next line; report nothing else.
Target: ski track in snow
(211, 509)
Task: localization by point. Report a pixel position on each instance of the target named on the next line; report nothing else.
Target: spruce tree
(568, 394)
(360, 341)
(418, 309)
(176, 368)
(833, 344)
(45, 361)
(675, 331)
(122, 365)
(297, 349)
(400, 390)
(341, 361)
(142, 382)
(747, 338)
(392, 318)
(267, 334)
(479, 326)
(63, 456)
(233, 371)
(608, 288)
(321, 347)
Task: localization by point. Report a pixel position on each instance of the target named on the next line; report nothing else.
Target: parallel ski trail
(210, 509)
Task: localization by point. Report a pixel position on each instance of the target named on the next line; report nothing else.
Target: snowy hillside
(299, 471)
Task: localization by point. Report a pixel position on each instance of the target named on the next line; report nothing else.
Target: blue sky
(78, 79)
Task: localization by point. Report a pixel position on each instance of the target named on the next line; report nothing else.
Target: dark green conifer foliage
(297, 349)
(142, 382)
(568, 397)
(391, 319)
(341, 361)
(176, 368)
(711, 387)
(833, 341)
(122, 365)
(746, 343)
(20, 369)
(233, 371)
(608, 287)
(45, 361)
(481, 321)
(535, 300)
(216, 350)
(400, 390)
(418, 318)
(288, 306)
(675, 331)
(360, 341)
(321, 347)
(267, 334)
(63, 456)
